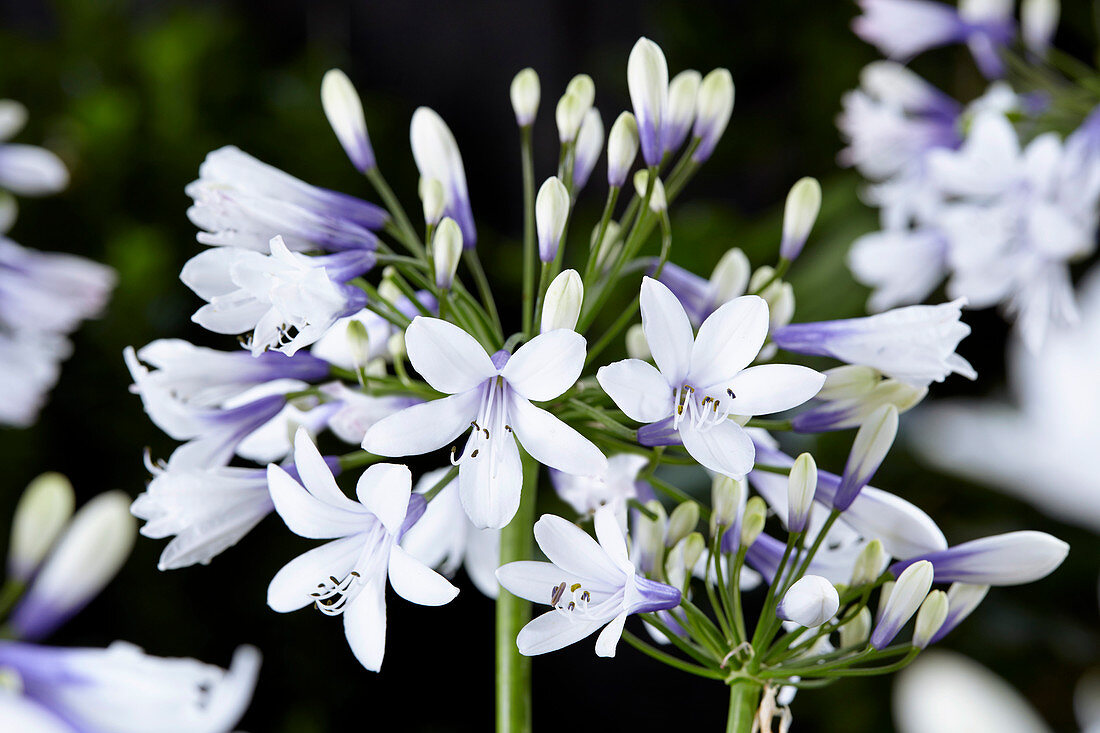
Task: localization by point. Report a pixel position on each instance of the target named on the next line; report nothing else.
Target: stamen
(557, 593)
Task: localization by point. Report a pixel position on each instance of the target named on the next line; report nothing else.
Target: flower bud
(41, 514)
(387, 290)
(573, 106)
(930, 617)
(675, 571)
(682, 522)
(730, 276)
(869, 564)
(609, 247)
(810, 601)
(562, 305)
(713, 107)
(883, 597)
(589, 147)
(908, 594)
(622, 148)
(752, 524)
(856, 632)
(446, 251)
(799, 215)
(525, 96)
(763, 275)
(682, 92)
(647, 79)
(551, 214)
(433, 198)
(85, 558)
(781, 307)
(649, 537)
(9, 209)
(358, 344)
(437, 156)
(726, 495)
(962, 600)
(636, 345)
(801, 485)
(657, 202)
(344, 111)
(694, 545)
(395, 345)
(848, 381)
(1039, 21)
(872, 443)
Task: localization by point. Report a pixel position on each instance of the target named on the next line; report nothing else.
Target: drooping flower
(121, 689)
(701, 380)
(589, 585)
(348, 574)
(287, 300)
(493, 395)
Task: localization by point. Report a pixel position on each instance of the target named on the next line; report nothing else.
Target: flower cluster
(420, 359)
(998, 196)
(43, 295)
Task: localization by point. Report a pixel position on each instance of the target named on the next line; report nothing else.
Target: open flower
(590, 585)
(701, 381)
(492, 395)
(348, 575)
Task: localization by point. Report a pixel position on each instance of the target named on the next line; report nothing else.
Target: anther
(557, 593)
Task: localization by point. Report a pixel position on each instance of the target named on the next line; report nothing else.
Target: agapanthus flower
(701, 297)
(348, 574)
(492, 395)
(589, 584)
(287, 300)
(1013, 558)
(26, 170)
(700, 381)
(336, 348)
(614, 488)
(30, 364)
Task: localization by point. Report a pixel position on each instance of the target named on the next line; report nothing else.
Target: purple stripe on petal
(654, 596)
(659, 433)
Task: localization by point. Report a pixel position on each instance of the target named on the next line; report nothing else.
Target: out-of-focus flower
(26, 170)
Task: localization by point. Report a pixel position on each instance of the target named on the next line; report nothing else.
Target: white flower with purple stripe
(1014, 558)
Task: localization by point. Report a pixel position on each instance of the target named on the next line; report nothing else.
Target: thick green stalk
(744, 700)
(513, 672)
(530, 255)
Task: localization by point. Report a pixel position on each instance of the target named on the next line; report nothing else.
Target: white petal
(609, 637)
(31, 171)
(768, 388)
(423, 428)
(305, 514)
(416, 582)
(574, 551)
(638, 389)
(729, 340)
(482, 559)
(667, 330)
(724, 448)
(489, 484)
(551, 442)
(547, 365)
(315, 474)
(536, 581)
(552, 631)
(448, 358)
(365, 625)
(611, 538)
(23, 714)
(384, 490)
(290, 588)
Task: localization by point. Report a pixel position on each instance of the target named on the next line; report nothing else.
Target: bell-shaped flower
(700, 296)
(915, 344)
(1013, 558)
(445, 539)
(437, 157)
(810, 601)
(614, 488)
(344, 111)
(240, 201)
(121, 689)
(700, 381)
(86, 557)
(647, 79)
(348, 575)
(26, 170)
(492, 395)
(589, 585)
(287, 300)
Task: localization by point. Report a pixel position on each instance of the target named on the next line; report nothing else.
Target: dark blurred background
(133, 95)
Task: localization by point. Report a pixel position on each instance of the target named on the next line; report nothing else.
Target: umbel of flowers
(386, 334)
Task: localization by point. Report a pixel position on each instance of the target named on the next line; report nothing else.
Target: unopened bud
(434, 200)
(396, 346)
(344, 111)
(647, 80)
(446, 251)
(622, 148)
(694, 545)
(726, 495)
(551, 214)
(1038, 21)
(682, 93)
(713, 107)
(781, 307)
(675, 571)
(358, 344)
(657, 201)
(848, 382)
(873, 441)
(930, 617)
(856, 632)
(799, 215)
(589, 147)
(609, 246)
(682, 522)
(525, 96)
(40, 516)
(636, 345)
(908, 594)
(752, 524)
(649, 537)
(387, 288)
(573, 106)
(870, 564)
(562, 305)
(801, 485)
(763, 275)
(811, 601)
(730, 276)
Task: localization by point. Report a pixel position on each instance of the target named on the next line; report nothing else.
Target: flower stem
(513, 683)
(409, 237)
(744, 699)
(529, 253)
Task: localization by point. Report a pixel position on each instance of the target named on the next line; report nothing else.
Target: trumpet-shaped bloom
(287, 300)
(348, 575)
(492, 395)
(121, 689)
(589, 584)
(1013, 558)
(438, 158)
(700, 381)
